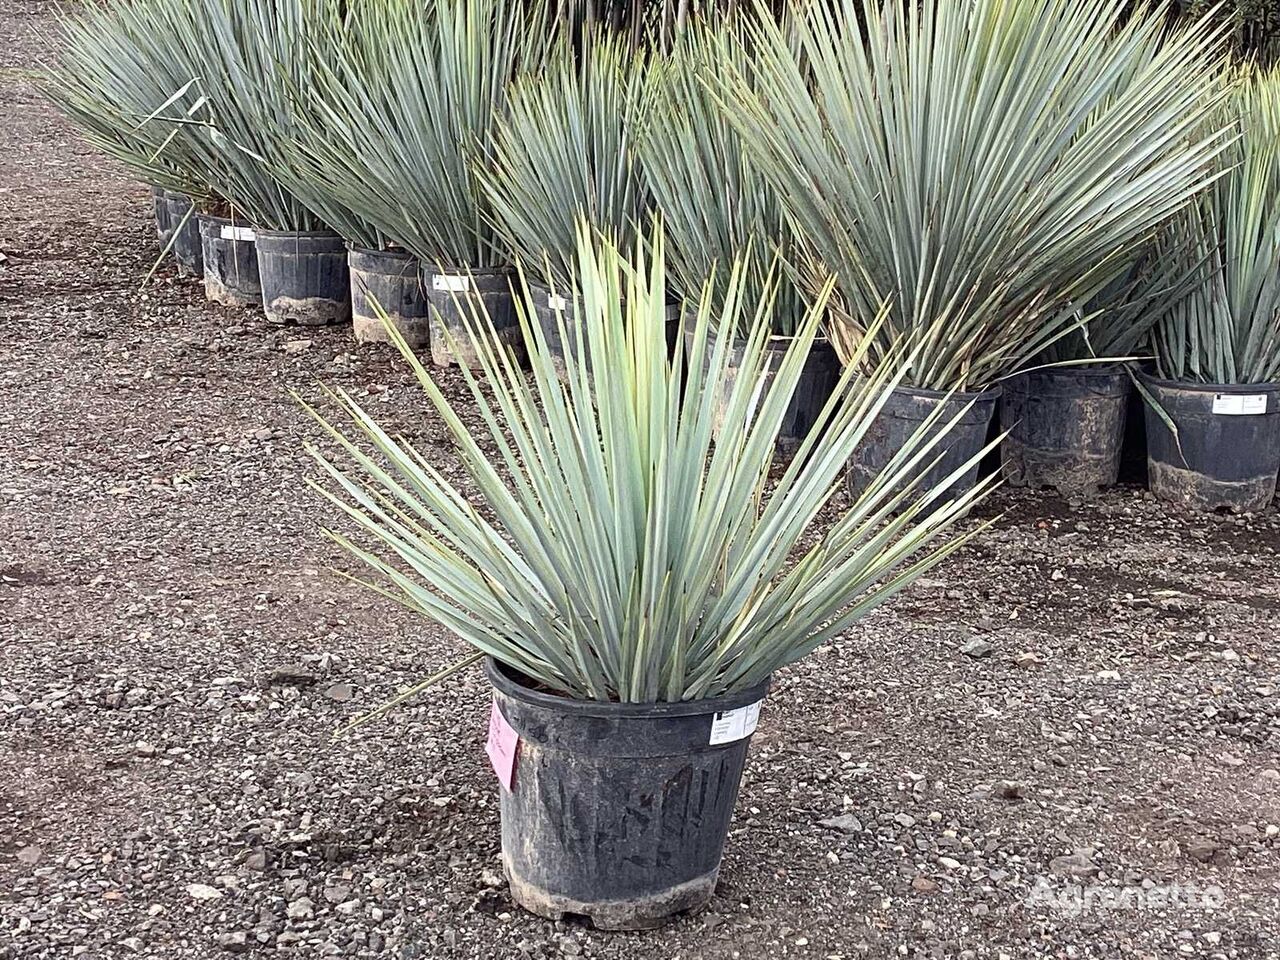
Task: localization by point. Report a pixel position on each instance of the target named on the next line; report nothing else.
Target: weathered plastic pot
(902, 415)
(160, 208)
(392, 280)
(459, 296)
(1227, 451)
(619, 812)
(304, 276)
(1065, 427)
(818, 379)
(186, 234)
(230, 258)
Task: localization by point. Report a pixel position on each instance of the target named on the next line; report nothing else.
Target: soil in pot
(160, 207)
(902, 415)
(230, 262)
(304, 277)
(1066, 427)
(393, 280)
(458, 295)
(186, 234)
(1227, 451)
(619, 812)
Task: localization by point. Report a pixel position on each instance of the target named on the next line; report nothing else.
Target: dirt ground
(1086, 700)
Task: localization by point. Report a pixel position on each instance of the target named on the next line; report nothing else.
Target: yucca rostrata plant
(635, 584)
(1217, 349)
(981, 168)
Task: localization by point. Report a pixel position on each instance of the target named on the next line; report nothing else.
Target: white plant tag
(1240, 404)
(451, 282)
(238, 233)
(556, 302)
(730, 725)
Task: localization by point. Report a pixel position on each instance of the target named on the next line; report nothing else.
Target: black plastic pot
(1227, 451)
(186, 234)
(902, 415)
(456, 296)
(393, 280)
(1065, 427)
(230, 262)
(617, 812)
(304, 277)
(818, 379)
(160, 207)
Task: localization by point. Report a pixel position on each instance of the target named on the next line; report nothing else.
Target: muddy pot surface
(230, 259)
(304, 277)
(458, 295)
(902, 415)
(619, 812)
(391, 280)
(1065, 427)
(185, 229)
(1227, 450)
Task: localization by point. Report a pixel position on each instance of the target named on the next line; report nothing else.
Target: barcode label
(238, 233)
(450, 282)
(730, 725)
(1240, 404)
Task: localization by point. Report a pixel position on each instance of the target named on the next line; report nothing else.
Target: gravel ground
(1084, 702)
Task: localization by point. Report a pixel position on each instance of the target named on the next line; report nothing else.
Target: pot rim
(1113, 368)
(1195, 386)
(506, 681)
(389, 254)
(300, 234)
(992, 392)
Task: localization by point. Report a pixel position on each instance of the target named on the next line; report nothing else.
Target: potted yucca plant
(410, 109)
(253, 59)
(108, 81)
(632, 584)
(1213, 417)
(565, 149)
(980, 168)
(717, 207)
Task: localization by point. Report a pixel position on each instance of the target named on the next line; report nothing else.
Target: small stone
(144, 749)
(1270, 774)
(976, 648)
(297, 346)
(263, 433)
(922, 884)
(845, 823)
(1202, 849)
(337, 893)
(233, 942)
(570, 948)
(949, 863)
(300, 909)
(342, 692)
(30, 855)
(904, 820)
(1073, 865)
(202, 891)
(347, 907)
(292, 675)
(257, 860)
(1008, 790)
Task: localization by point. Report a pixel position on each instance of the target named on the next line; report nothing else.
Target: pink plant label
(501, 746)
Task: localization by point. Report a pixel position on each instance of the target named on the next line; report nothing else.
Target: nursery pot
(456, 296)
(160, 207)
(186, 234)
(1227, 451)
(817, 381)
(1065, 427)
(230, 262)
(619, 812)
(304, 277)
(391, 279)
(902, 415)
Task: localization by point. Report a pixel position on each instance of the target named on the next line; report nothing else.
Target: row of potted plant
(951, 195)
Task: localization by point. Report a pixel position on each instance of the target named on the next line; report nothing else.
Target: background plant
(609, 549)
(1227, 328)
(566, 151)
(979, 167)
(407, 108)
(716, 205)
